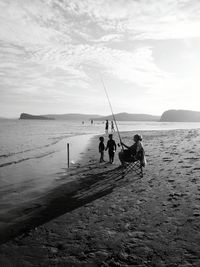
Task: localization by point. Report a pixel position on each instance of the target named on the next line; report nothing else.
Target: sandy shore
(106, 219)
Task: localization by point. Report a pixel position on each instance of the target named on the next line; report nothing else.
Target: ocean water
(33, 153)
(22, 140)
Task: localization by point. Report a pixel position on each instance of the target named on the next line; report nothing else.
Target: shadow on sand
(65, 198)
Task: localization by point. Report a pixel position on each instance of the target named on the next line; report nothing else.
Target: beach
(103, 217)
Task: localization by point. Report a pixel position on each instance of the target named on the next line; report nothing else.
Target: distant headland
(81, 117)
(131, 117)
(173, 115)
(25, 116)
(70, 116)
(167, 116)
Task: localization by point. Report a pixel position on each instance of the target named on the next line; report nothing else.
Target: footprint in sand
(196, 213)
(167, 159)
(186, 166)
(171, 180)
(191, 158)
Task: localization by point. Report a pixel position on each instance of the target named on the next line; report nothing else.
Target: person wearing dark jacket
(111, 146)
(134, 152)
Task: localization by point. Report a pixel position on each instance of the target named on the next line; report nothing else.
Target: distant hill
(180, 116)
(73, 116)
(25, 116)
(131, 117)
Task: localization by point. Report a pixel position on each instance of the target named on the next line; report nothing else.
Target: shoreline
(16, 219)
(68, 181)
(38, 173)
(155, 213)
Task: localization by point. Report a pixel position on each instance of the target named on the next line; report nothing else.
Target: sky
(54, 55)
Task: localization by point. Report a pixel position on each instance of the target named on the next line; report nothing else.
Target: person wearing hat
(134, 152)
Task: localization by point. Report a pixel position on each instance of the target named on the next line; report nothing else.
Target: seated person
(134, 152)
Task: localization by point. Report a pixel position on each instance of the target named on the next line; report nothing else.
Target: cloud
(31, 24)
(110, 38)
(136, 66)
(57, 48)
(141, 20)
(41, 23)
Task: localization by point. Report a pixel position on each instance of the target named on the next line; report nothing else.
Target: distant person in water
(101, 149)
(91, 121)
(106, 128)
(134, 152)
(112, 127)
(111, 146)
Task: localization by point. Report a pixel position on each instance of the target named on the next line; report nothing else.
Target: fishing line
(112, 112)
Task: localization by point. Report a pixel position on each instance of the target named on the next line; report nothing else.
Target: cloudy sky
(54, 53)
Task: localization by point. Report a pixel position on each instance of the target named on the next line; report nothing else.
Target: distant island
(25, 116)
(173, 115)
(131, 117)
(70, 116)
(83, 117)
(167, 116)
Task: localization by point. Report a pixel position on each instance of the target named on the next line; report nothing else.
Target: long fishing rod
(112, 113)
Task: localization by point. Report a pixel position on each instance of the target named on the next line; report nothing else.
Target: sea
(33, 153)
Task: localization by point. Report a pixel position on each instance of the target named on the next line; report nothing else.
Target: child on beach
(111, 146)
(101, 149)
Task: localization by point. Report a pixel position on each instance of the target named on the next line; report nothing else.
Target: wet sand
(28, 176)
(101, 217)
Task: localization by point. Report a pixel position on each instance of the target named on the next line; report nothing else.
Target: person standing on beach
(112, 127)
(101, 149)
(106, 128)
(111, 146)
